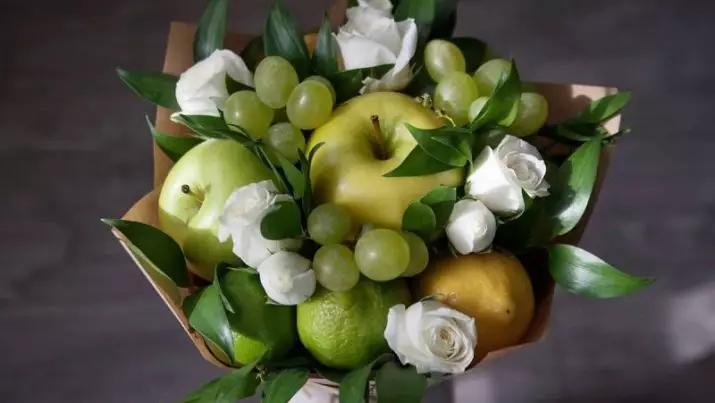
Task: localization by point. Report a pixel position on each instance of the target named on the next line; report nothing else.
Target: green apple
(193, 197)
(349, 168)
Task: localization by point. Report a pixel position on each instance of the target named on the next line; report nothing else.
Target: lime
(345, 329)
(257, 326)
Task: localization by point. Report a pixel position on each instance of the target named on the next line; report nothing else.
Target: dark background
(78, 322)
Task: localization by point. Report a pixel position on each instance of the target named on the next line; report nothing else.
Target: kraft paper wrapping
(564, 100)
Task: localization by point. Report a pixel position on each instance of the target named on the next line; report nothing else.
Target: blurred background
(78, 322)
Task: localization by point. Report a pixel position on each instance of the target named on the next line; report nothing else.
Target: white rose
(241, 221)
(371, 37)
(471, 227)
(432, 337)
(201, 89)
(287, 278)
(499, 176)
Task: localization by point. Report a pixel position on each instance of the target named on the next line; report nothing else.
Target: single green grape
(532, 114)
(454, 94)
(443, 57)
(476, 107)
(382, 254)
(329, 223)
(275, 79)
(335, 267)
(419, 255)
(245, 109)
(286, 140)
(310, 105)
(488, 74)
(327, 83)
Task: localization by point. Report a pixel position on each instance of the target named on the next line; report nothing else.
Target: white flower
(201, 89)
(471, 227)
(371, 37)
(432, 337)
(241, 221)
(499, 176)
(287, 278)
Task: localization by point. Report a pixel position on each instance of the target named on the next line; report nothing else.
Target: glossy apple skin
(213, 170)
(347, 171)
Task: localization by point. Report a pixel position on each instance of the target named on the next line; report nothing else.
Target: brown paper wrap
(564, 100)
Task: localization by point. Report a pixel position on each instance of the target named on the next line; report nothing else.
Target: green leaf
(282, 386)
(418, 163)
(213, 127)
(205, 394)
(159, 248)
(282, 38)
(354, 384)
(219, 270)
(212, 28)
(442, 144)
(422, 11)
(280, 181)
(295, 177)
(237, 385)
(348, 83)
(158, 88)
(441, 200)
(473, 50)
(325, 56)
(284, 221)
(502, 106)
(420, 219)
(604, 108)
(571, 191)
(331, 374)
(314, 151)
(584, 274)
(307, 200)
(397, 384)
(234, 86)
(173, 146)
(253, 53)
(207, 315)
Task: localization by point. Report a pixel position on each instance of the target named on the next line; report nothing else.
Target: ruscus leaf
(158, 88)
(422, 11)
(283, 222)
(502, 106)
(253, 53)
(173, 146)
(584, 274)
(295, 177)
(442, 144)
(396, 384)
(282, 38)
(207, 315)
(211, 30)
(418, 163)
(604, 108)
(237, 385)
(354, 385)
(158, 247)
(283, 385)
(420, 219)
(572, 189)
(325, 55)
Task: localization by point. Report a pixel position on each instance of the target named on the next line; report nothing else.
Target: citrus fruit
(345, 329)
(493, 288)
(253, 317)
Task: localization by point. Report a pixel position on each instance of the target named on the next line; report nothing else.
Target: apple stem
(186, 189)
(379, 138)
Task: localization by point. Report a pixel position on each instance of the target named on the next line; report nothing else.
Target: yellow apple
(349, 169)
(194, 194)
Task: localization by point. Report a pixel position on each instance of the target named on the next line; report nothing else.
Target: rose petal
(471, 227)
(361, 52)
(491, 183)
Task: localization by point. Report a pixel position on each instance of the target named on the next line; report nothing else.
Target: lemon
(345, 330)
(493, 288)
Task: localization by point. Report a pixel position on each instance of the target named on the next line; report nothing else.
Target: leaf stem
(381, 147)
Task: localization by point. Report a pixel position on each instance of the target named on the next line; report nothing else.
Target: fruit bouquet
(370, 207)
